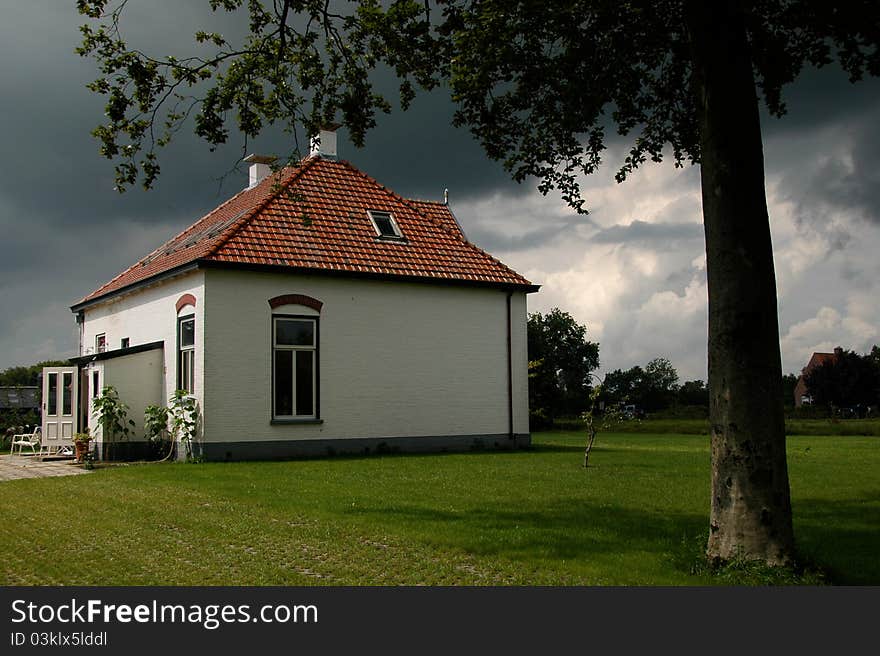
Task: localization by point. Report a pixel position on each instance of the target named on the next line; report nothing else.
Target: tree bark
(751, 506)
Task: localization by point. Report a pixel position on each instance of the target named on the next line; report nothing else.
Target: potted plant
(81, 443)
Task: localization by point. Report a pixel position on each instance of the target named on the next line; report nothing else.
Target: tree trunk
(751, 506)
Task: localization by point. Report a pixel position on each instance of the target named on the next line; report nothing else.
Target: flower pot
(82, 448)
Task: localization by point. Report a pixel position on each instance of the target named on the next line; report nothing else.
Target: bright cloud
(633, 271)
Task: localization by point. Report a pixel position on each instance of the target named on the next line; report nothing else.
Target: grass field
(637, 516)
(823, 427)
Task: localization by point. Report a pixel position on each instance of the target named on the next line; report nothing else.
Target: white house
(316, 312)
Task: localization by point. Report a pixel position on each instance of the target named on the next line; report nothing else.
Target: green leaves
(538, 85)
(561, 359)
(112, 415)
(183, 412)
(302, 65)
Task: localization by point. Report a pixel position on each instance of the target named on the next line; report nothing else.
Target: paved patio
(15, 467)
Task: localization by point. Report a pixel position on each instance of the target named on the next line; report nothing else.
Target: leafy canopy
(651, 388)
(537, 87)
(848, 379)
(562, 359)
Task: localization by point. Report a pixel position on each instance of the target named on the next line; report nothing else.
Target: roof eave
(369, 275)
(117, 353)
(151, 280)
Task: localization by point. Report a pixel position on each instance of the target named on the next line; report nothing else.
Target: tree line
(847, 383)
(563, 366)
(14, 419)
(27, 376)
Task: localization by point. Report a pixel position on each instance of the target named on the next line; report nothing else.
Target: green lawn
(818, 427)
(637, 516)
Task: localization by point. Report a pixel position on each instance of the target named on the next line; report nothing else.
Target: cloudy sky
(632, 271)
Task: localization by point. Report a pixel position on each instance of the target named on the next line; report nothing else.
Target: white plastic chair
(29, 440)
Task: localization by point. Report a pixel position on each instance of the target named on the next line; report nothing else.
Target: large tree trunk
(751, 506)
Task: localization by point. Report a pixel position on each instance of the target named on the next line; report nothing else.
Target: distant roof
(818, 359)
(22, 397)
(313, 218)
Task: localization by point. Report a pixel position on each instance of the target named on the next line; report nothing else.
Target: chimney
(323, 144)
(259, 169)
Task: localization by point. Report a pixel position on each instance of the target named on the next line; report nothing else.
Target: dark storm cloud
(54, 173)
(853, 183)
(820, 97)
(839, 185)
(828, 148)
(654, 234)
(416, 153)
(64, 229)
(498, 241)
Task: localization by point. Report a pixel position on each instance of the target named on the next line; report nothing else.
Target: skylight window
(385, 225)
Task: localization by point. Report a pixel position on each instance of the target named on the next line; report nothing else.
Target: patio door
(59, 405)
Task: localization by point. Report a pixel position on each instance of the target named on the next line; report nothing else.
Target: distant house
(801, 392)
(19, 397)
(315, 311)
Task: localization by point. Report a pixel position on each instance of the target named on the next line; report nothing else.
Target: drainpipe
(509, 368)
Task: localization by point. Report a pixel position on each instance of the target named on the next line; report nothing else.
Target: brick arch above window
(183, 301)
(296, 299)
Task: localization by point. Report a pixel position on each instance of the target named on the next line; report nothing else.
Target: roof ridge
(410, 202)
(239, 223)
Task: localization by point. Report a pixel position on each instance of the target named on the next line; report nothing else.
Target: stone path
(14, 467)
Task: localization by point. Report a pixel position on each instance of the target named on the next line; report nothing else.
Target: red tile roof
(313, 217)
(819, 359)
(816, 360)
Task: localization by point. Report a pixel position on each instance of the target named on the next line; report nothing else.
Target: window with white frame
(294, 367)
(385, 225)
(101, 343)
(186, 353)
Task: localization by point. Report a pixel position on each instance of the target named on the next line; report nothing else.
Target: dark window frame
(296, 419)
(188, 349)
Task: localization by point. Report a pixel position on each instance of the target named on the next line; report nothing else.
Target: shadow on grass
(837, 541)
(841, 536)
(569, 530)
(551, 447)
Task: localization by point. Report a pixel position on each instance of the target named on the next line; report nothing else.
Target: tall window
(100, 343)
(52, 407)
(295, 367)
(186, 353)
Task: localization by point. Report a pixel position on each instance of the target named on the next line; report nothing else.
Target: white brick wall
(396, 359)
(139, 381)
(149, 315)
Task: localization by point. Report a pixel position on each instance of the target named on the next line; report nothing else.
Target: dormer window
(385, 225)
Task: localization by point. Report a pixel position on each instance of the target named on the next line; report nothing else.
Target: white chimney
(259, 169)
(323, 144)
